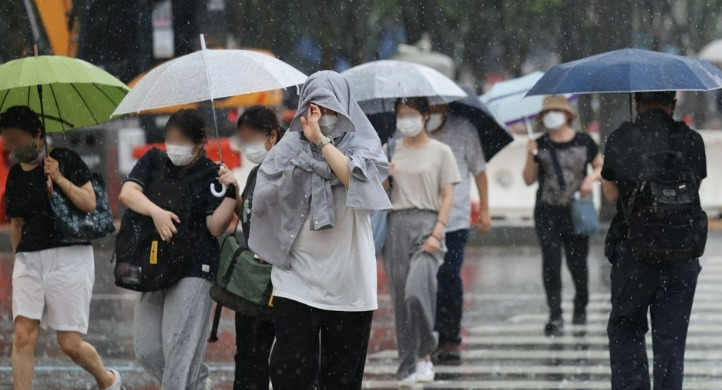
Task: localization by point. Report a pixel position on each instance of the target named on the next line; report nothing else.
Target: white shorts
(54, 286)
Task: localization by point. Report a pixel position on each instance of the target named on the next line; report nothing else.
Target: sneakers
(448, 354)
(208, 385)
(554, 328)
(408, 381)
(425, 371)
(116, 384)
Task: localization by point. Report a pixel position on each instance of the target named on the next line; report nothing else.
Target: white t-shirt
(332, 269)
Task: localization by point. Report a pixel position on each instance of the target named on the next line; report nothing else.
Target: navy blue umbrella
(629, 70)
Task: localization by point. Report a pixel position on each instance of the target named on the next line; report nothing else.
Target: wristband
(231, 192)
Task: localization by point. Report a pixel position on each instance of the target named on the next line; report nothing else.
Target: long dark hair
(262, 119)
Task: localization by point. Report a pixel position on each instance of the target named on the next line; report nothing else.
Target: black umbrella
(493, 136)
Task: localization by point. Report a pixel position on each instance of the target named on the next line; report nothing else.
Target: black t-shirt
(247, 197)
(574, 157)
(206, 250)
(624, 148)
(26, 197)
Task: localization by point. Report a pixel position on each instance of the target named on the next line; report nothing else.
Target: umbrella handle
(218, 193)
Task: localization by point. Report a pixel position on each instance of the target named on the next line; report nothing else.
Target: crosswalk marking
(514, 354)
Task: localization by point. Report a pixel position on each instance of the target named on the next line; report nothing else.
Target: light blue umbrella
(629, 70)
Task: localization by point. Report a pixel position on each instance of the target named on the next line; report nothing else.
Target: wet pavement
(504, 347)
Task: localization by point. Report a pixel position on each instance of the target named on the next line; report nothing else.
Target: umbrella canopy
(376, 85)
(629, 70)
(74, 93)
(712, 52)
(492, 135)
(508, 102)
(222, 73)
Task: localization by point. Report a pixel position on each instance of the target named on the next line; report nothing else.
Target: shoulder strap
(557, 166)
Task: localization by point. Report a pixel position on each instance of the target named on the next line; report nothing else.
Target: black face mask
(27, 154)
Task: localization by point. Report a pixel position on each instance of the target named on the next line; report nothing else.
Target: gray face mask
(327, 123)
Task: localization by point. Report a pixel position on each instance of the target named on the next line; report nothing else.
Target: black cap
(660, 97)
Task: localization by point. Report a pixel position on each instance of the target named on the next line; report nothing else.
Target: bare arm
(611, 190)
(218, 222)
(588, 183)
(132, 196)
(531, 168)
(433, 242)
(483, 224)
(338, 163)
(82, 197)
(16, 226)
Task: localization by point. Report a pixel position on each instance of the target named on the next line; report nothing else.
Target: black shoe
(554, 328)
(579, 318)
(448, 354)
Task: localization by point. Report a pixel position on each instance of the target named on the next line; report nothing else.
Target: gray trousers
(412, 280)
(170, 331)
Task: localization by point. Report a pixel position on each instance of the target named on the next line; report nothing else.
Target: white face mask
(410, 127)
(435, 122)
(327, 123)
(554, 120)
(254, 152)
(180, 155)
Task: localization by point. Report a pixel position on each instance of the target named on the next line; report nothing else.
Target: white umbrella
(208, 75)
(376, 85)
(507, 102)
(712, 52)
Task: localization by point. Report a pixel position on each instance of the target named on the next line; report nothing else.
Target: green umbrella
(67, 92)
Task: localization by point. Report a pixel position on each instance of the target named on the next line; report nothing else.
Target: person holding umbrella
(311, 219)
(657, 284)
(52, 280)
(424, 174)
(459, 133)
(559, 161)
(171, 325)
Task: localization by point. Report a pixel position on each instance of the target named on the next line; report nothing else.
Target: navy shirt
(206, 250)
(622, 164)
(26, 197)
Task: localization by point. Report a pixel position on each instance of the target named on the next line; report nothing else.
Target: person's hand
(587, 187)
(51, 167)
(532, 148)
(432, 245)
(226, 177)
(164, 222)
(311, 129)
(483, 223)
(392, 169)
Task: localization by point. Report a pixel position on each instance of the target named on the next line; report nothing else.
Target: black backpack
(144, 262)
(664, 215)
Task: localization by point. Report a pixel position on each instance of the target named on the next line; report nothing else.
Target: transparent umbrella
(376, 85)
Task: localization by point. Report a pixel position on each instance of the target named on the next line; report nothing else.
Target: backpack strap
(216, 322)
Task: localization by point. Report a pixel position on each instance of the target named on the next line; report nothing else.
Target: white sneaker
(425, 371)
(408, 381)
(117, 383)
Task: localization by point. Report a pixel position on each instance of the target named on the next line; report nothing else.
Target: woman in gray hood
(314, 193)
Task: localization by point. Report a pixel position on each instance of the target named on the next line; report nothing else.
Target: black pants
(554, 230)
(344, 339)
(666, 290)
(254, 338)
(450, 291)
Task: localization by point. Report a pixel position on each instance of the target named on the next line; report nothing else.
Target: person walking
(423, 173)
(52, 280)
(461, 136)
(257, 131)
(310, 219)
(559, 160)
(662, 287)
(171, 325)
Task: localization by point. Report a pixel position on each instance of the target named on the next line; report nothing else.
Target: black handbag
(144, 262)
(73, 225)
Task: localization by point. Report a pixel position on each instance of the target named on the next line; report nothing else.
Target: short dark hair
(657, 97)
(23, 118)
(262, 119)
(420, 104)
(189, 122)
